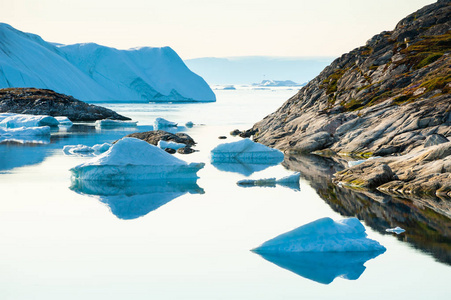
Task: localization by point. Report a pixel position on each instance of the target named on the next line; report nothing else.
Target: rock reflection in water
(426, 228)
(131, 200)
(323, 267)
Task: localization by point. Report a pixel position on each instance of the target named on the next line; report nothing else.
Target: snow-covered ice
(86, 150)
(94, 73)
(9, 120)
(168, 144)
(246, 151)
(115, 123)
(323, 235)
(23, 135)
(100, 148)
(162, 123)
(397, 230)
(132, 159)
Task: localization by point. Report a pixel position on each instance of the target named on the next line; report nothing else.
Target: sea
(194, 241)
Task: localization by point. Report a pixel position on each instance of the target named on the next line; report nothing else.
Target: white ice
(101, 147)
(83, 149)
(161, 123)
(171, 145)
(245, 151)
(10, 120)
(115, 123)
(323, 235)
(94, 73)
(23, 135)
(397, 230)
(64, 121)
(133, 159)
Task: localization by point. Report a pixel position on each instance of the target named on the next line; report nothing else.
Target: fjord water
(192, 240)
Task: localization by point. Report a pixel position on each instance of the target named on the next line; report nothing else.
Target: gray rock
(154, 136)
(435, 139)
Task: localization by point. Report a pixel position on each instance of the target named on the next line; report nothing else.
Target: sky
(212, 28)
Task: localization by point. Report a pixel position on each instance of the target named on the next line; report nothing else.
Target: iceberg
(130, 201)
(397, 230)
(9, 120)
(22, 135)
(132, 159)
(96, 73)
(172, 145)
(162, 123)
(246, 151)
(64, 121)
(323, 235)
(115, 123)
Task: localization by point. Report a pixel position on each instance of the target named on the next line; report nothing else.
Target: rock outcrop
(154, 136)
(47, 102)
(385, 97)
(389, 97)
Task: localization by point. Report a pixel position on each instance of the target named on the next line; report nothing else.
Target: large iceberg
(132, 159)
(323, 235)
(10, 120)
(94, 73)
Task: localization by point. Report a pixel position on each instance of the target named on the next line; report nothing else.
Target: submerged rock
(47, 102)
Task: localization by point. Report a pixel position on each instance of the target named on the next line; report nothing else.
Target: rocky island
(389, 98)
(35, 101)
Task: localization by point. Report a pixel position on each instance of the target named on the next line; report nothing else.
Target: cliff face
(382, 98)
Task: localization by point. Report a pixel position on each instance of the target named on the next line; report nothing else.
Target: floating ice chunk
(397, 230)
(133, 159)
(64, 121)
(25, 131)
(77, 149)
(172, 145)
(19, 120)
(323, 235)
(246, 151)
(161, 123)
(189, 124)
(115, 123)
(101, 147)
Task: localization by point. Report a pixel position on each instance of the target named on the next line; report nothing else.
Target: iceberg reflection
(242, 168)
(131, 200)
(323, 267)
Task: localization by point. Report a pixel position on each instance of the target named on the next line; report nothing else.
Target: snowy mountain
(94, 73)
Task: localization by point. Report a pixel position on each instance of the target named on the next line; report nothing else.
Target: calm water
(193, 241)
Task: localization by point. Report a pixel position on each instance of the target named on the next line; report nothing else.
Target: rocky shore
(47, 102)
(389, 98)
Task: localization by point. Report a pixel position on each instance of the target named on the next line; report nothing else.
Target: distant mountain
(93, 73)
(250, 69)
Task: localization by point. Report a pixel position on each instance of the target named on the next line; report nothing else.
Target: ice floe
(246, 151)
(64, 121)
(9, 120)
(168, 144)
(323, 235)
(133, 159)
(23, 135)
(397, 230)
(84, 150)
(162, 123)
(115, 123)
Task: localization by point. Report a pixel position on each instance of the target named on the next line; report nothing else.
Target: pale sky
(212, 28)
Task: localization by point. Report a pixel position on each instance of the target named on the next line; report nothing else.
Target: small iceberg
(132, 159)
(323, 235)
(130, 201)
(115, 123)
(100, 148)
(397, 230)
(25, 135)
(246, 151)
(168, 144)
(10, 120)
(64, 121)
(291, 181)
(189, 124)
(162, 123)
